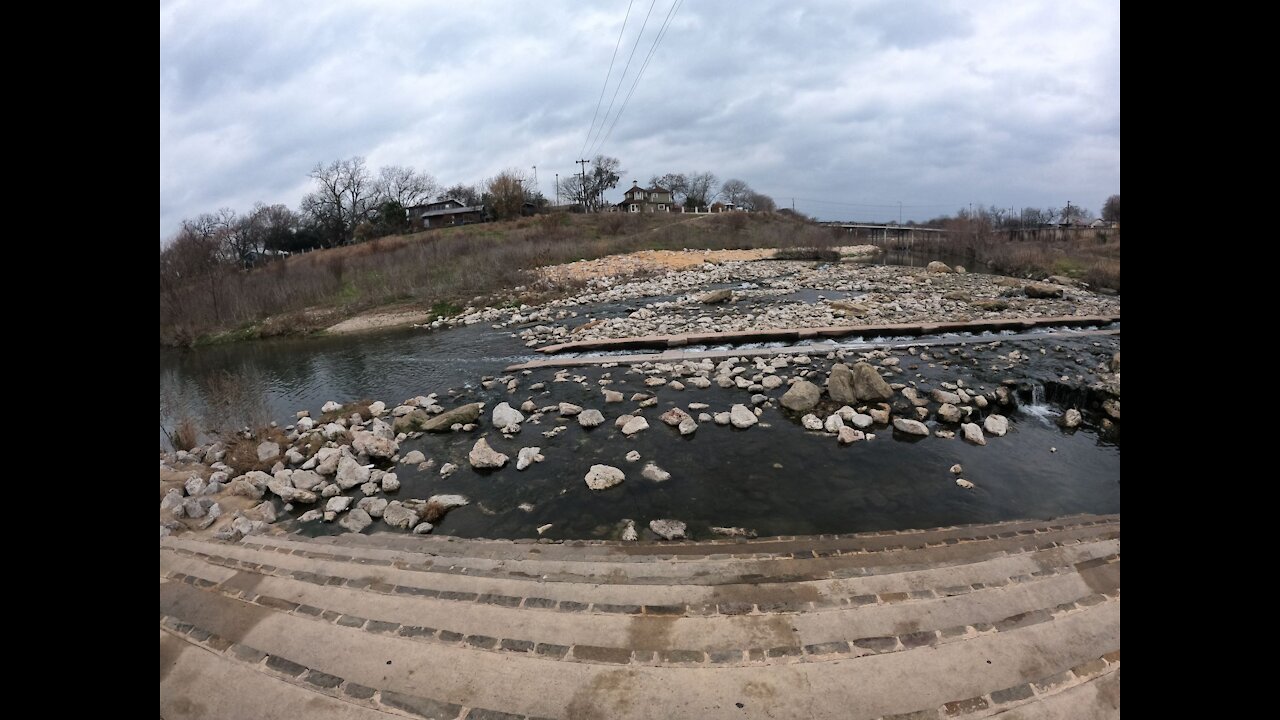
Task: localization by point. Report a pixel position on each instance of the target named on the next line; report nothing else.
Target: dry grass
(242, 452)
(823, 254)
(186, 434)
(452, 267)
(359, 406)
(1095, 261)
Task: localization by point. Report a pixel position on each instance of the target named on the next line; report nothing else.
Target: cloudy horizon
(849, 108)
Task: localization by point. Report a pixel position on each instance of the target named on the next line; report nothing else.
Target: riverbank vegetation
(205, 299)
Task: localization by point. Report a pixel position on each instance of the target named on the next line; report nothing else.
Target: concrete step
(715, 549)
(655, 569)
(723, 639)
(198, 682)
(696, 599)
(446, 680)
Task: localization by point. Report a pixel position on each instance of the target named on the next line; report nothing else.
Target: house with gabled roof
(446, 212)
(638, 199)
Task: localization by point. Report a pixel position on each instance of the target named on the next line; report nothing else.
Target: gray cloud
(864, 103)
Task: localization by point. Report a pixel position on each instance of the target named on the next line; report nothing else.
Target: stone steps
(887, 625)
(720, 639)
(907, 584)
(717, 549)
(695, 572)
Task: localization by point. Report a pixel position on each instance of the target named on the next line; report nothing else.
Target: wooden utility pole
(583, 163)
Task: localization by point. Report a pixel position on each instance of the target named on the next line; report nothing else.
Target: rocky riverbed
(830, 441)
(769, 294)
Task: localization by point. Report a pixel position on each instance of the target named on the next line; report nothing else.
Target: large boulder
(949, 413)
(635, 425)
(849, 307)
(802, 396)
(1043, 290)
(942, 396)
(674, 417)
(397, 515)
(195, 485)
(356, 521)
(973, 433)
(528, 456)
(327, 460)
(716, 296)
(483, 456)
(590, 418)
(603, 477)
(373, 506)
(741, 417)
(997, 425)
(438, 505)
(268, 451)
(910, 427)
(868, 386)
(938, 267)
(849, 435)
(373, 445)
(654, 473)
(241, 486)
(505, 416)
(351, 473)
(1112, 408)
(840, 384)
(173, 500)
(413, 457)
(445, 420)
(305, 479)
(668, 529)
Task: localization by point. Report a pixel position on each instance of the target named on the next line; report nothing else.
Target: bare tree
(506, 193)
(1111, 210)
(702, 189)
(1073, 212)
(677, 183)
(570, 186)
(197, 253)
(465, 194)
(403, 185)
(343, 195)
(735, 191)
(1035, 217)
(757, 202)
(604, 175)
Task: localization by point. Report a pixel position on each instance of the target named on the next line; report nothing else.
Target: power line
(873, 205)
(675, 6)
(600, 101)
(623, 76)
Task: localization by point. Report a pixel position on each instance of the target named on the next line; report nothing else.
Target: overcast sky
(849, 107)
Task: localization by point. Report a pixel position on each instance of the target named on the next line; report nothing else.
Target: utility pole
(536, 189)
(557, 189)
(899, 212)
(583, 163)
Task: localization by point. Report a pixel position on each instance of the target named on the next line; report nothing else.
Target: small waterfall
(1038, 407)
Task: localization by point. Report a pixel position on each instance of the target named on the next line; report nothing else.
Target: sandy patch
(378, 321)
(647, 261)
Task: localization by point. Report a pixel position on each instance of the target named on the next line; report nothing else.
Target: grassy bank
(1095, 261)
(443, 270)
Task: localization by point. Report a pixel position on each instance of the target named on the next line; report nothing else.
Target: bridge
(872, 231)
